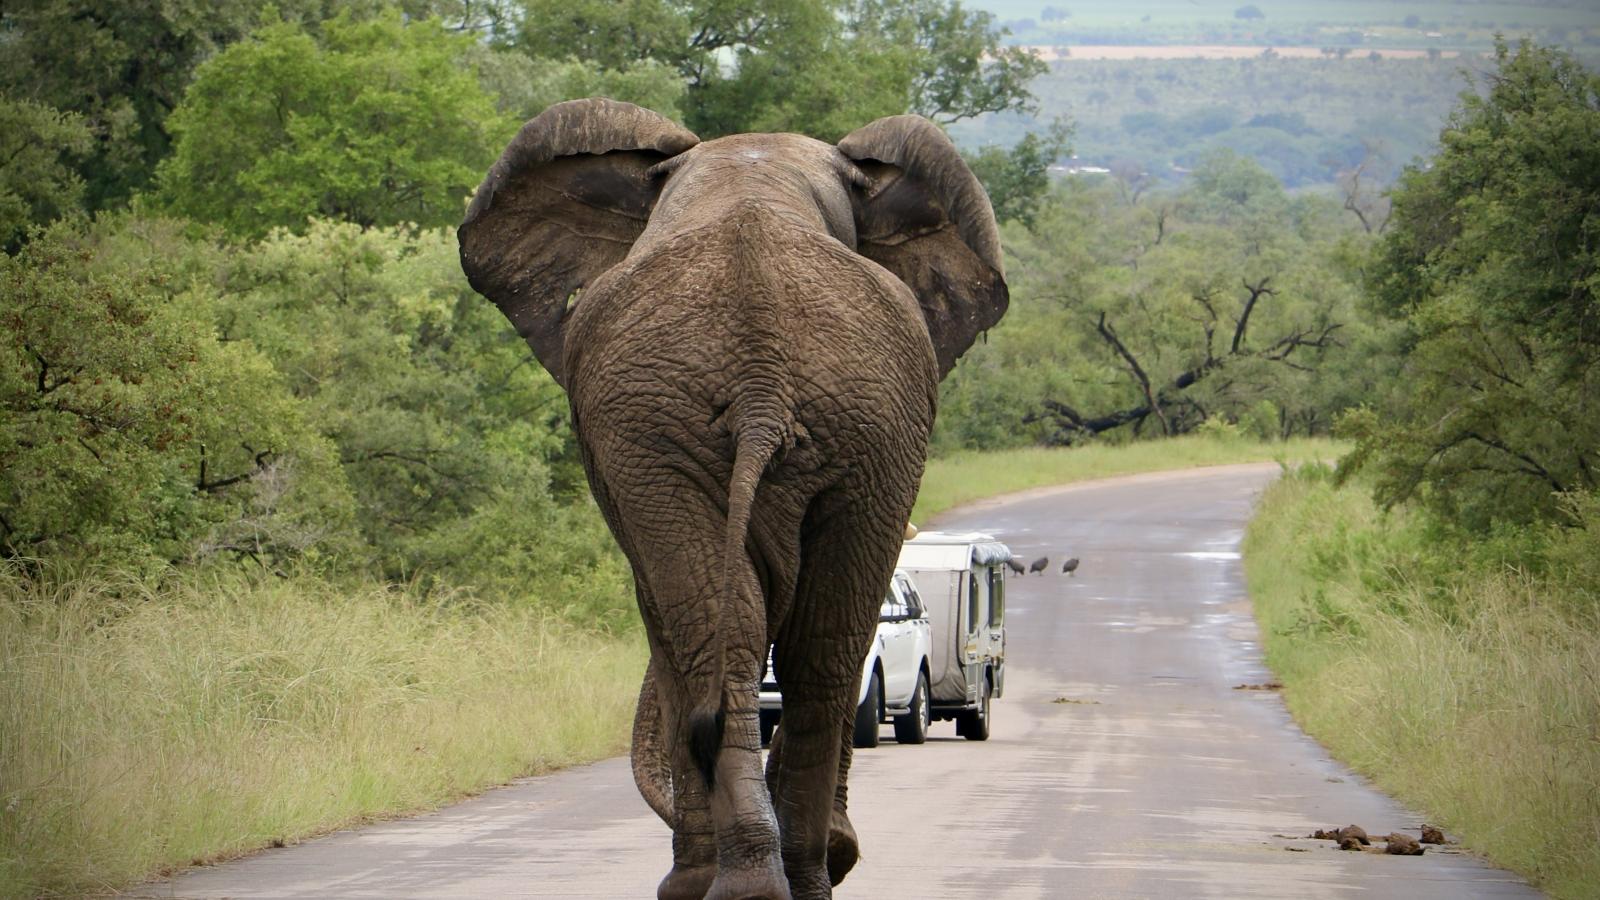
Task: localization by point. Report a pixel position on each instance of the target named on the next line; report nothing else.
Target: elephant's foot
(843, 851)
(686, 882)
(760, 883)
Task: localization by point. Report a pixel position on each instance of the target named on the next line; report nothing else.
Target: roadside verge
(1468, 691)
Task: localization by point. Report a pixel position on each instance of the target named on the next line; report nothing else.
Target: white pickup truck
(894, 676)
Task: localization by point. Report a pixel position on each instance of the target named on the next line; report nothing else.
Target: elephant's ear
(563, 204)
(925, 217)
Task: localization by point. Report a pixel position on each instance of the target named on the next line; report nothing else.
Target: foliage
(1455, 671)
(614, 35)
(1136, 311)
(959, 67)
(1018, 179)
(37, 181)
(453, 440)
(377, 122)
(1490, 262)
(819, 67)
(132, 435)
(120, 66)
(525, 86)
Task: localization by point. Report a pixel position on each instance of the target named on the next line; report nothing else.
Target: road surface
(1123, 763)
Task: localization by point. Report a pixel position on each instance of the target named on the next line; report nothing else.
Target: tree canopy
(1490, 261)
(375, 121)
(819, 67)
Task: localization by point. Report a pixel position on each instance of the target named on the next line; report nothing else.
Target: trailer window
(972, 602)
(997, 598)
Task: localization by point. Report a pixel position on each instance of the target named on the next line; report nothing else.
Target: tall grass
(142, 728)
(1467, 690)
(959, 478)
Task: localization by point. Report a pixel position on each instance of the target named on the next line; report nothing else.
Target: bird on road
(1039, 564)
(1016, 566)
(1070, 566)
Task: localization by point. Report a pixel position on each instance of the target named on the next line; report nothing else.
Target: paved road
(1122, 762)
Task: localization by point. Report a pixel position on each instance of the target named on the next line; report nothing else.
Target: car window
(891, 610)
(914, 605)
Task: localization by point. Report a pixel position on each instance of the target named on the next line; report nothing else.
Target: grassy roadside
(951, 481)
(196, 722)
(1461, 687)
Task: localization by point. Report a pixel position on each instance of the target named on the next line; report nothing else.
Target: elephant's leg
(849, 551)
(842, 848)
(694, 843)
(729, 831)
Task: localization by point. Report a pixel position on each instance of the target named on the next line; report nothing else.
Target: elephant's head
(582, 181)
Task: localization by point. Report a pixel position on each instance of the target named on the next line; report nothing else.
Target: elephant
(751, 332)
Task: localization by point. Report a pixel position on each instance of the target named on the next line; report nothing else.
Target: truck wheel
(867, 714)
(912, 728)
(973, 724)
(769, 723)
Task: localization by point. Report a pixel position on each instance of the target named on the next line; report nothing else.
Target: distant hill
(1308, 89)
(1353, 24)
(1305, 120)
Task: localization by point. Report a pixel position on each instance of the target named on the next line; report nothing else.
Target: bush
(133, 436)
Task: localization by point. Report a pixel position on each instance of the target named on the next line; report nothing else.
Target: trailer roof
(952, 550)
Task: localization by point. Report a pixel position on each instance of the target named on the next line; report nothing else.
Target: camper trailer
(961, 577)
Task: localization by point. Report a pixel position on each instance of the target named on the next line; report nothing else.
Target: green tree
(614, 35)
(453, 439)
(121, 66)
(378, 122)
(960, 69)
(1228, 299)
(1490, 262)
(37, 180)
(819, 67)
(1018, 179)
(525, 86)
(132, 434)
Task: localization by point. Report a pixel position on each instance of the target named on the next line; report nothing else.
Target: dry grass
(190, 723)
(1477, 701)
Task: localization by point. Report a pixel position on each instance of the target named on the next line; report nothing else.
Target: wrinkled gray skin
(751, 332)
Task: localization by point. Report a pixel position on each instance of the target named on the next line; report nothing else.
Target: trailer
(961, 577)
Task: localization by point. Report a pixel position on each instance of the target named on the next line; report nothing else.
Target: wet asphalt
(1123, 761)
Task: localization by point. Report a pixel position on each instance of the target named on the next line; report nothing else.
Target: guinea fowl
(1070, 566)
(1039, 564)
(1016, 566)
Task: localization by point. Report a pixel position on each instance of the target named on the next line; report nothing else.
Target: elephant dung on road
(750, 331)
